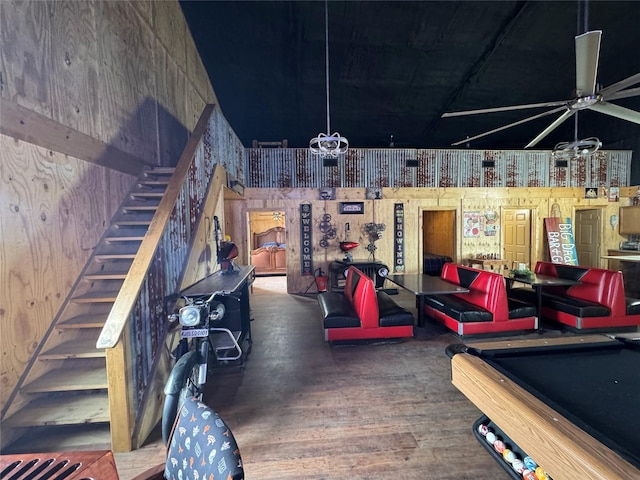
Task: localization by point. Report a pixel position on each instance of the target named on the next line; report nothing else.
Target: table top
(580, 396)
(219, 281)
(584, 377)
(421, 284)
(541, 280)
(623, 258)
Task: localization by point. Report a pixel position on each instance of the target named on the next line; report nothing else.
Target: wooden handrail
(135, 329)
(130, 290)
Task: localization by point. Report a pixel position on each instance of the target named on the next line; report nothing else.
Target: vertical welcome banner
(306, 240)
(562, 245)
(398, 213)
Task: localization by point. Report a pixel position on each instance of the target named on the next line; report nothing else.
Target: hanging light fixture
(328, 144)
(578, 147)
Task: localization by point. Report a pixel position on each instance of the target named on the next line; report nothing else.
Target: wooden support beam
(24, 124)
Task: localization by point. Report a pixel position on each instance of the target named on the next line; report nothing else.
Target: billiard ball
(529, 475)
(517, 465)
(490, 437)
(529, 463)
(541, 474)
(508, 455)
(499, 446)
(483, 429)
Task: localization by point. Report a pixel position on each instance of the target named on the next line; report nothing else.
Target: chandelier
(577, 147)
(328, 144)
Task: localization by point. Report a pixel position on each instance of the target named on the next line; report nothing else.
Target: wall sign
(473, 224)
(562, 246)
(352, 207)
(398, 213)
(306, 240)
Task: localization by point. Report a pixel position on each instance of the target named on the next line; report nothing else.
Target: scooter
(204, 342)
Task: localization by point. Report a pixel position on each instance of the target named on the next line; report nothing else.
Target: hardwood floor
(305, 410)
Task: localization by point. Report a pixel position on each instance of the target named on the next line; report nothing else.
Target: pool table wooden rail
(565, 451)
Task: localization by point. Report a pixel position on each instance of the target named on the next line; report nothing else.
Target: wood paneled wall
(126, 78)
(54, 210)
(415, 200)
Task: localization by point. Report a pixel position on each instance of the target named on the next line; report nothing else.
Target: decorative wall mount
(374, 233)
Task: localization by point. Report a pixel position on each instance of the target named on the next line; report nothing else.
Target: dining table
(539, 283)
(423, 286)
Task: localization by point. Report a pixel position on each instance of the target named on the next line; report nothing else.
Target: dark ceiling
(396, 66)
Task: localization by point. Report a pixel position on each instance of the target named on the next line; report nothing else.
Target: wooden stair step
(133, 222)
(118, 231)
(102, 257)
(96, 297)
(147, 194)
(72, 438)
(62, 410)
(152, 183)
(69, 379)
(105, 276)
(85, 348)
(140, 208)
(83, 321)
(160, 170)
(132, 238)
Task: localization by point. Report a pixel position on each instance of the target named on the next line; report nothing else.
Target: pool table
(572, 403)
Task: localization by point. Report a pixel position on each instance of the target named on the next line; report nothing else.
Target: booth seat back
(361, 292)
(598, 285)
(486, 289)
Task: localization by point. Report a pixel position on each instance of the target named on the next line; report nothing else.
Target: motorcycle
(204, 342)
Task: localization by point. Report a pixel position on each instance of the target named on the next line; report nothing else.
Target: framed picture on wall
(472, 224)
(352, 207)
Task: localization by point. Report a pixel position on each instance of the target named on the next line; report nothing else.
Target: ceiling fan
(587, 94)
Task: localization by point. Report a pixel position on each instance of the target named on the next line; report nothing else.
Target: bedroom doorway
(267, 242)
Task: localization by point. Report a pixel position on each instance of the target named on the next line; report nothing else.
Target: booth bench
(361, 312)
(484, 309)
(597, 301)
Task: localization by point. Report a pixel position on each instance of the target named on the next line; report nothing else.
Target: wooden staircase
(62, 402)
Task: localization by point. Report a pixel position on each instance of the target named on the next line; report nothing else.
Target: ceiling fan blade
(504, 109)
(556, 123)
(616, 87)
(587, 54)
(616, 111)
(504, 127)
(632, 92)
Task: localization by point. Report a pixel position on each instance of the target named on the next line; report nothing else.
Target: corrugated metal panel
(619, 171)
(360, 168)
(599, 166)
(354, 171)
(470, 168)
(449, 168)
(578, 173)
(427, 168)
(494, 176)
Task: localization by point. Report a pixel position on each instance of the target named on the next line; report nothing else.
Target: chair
(201, 446)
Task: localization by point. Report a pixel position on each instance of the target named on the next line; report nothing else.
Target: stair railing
(135, 330)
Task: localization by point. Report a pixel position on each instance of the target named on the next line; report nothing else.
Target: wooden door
(516, 234)
(587, 237)
(439, 232)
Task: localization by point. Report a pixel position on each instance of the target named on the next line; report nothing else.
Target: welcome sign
(562, 245)
(306, 240)
(398, 213)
